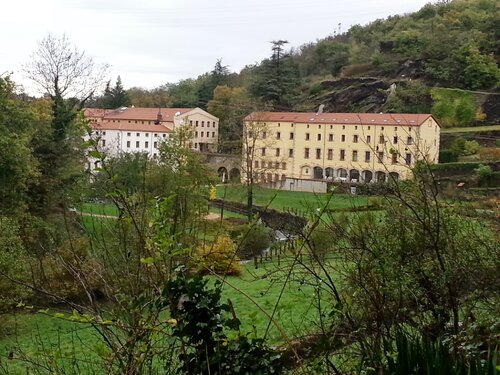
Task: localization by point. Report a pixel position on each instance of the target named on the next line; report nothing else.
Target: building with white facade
(132, 129)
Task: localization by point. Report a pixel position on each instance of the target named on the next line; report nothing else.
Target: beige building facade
(351, 147)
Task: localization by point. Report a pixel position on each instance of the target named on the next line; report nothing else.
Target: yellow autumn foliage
(218, 257)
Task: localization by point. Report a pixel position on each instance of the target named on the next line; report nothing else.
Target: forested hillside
(443, 58)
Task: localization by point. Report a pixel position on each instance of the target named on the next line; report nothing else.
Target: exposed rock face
(371, 94)
(354, 95)
(491, 108)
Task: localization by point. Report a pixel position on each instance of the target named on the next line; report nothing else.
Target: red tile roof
(407, 119)
(161, 128)
(136, 113)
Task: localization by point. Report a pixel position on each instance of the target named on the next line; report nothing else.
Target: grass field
(99, 209)
(472, 129)
(283, 200)
(37, 333)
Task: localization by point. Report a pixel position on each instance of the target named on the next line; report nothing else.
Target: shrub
(447, 156)
(13, 262)
(219, 257)
(453, 107)
(253, 240)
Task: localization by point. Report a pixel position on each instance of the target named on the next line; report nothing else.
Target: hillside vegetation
(441, 59)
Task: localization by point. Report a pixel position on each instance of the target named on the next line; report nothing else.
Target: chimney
(320, 109)
(159, 117)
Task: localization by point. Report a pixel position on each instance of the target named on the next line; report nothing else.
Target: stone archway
(223, 175)
(367, 176)
(234, 175)
(354, 175)
(318, 173)
(394, 176)
(329, 173)
(380, 176)
(305, 171)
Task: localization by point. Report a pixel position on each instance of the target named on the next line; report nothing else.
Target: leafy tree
(18, 167)
(230, 105)
(70, 78)
(275, 80)
(481, 71)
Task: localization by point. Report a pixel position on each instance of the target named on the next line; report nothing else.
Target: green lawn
(284, 200)
(295, 313)
(99, 209)
(472, 129)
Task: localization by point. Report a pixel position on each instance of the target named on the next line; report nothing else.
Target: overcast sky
(152, 42)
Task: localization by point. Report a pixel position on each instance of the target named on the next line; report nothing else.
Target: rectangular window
(381, 139)
(395, 140)
(155, 144)
(146, 144)
(342, 155)
(147, 134)
(202, 134)
(137, 144)
(263, 151)
(278, 135)
(264, 135)
(318, 153)
(408, 159)
(196, 122)
(283, 165)
(256, 164)
(137, 134)
(277, 165)
(277, 152)
(394, 158)
(355, 155)
(290, 152)
(306, 153)
(103, 142)
(409, 141)
(213, 134)
(368, 138)
(203, 124)
(330, 154)
(307, 136)
(367, 156)
(355, 138)
(128, 144)
(330, 137)
(342, 138)
(291, 135)
(319, 137)
(156, 134)
(380, 157)
(164, 136)
(196, 134)
(213, 124)
(191, 122)
(128, 134)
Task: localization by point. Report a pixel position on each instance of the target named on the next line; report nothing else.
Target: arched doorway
(304, 170)
(380, 176)
(223, 175)
(354, 175)
(394, 176)
(234, 175)
(367, 176)
(329, 173)
(318, 173)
